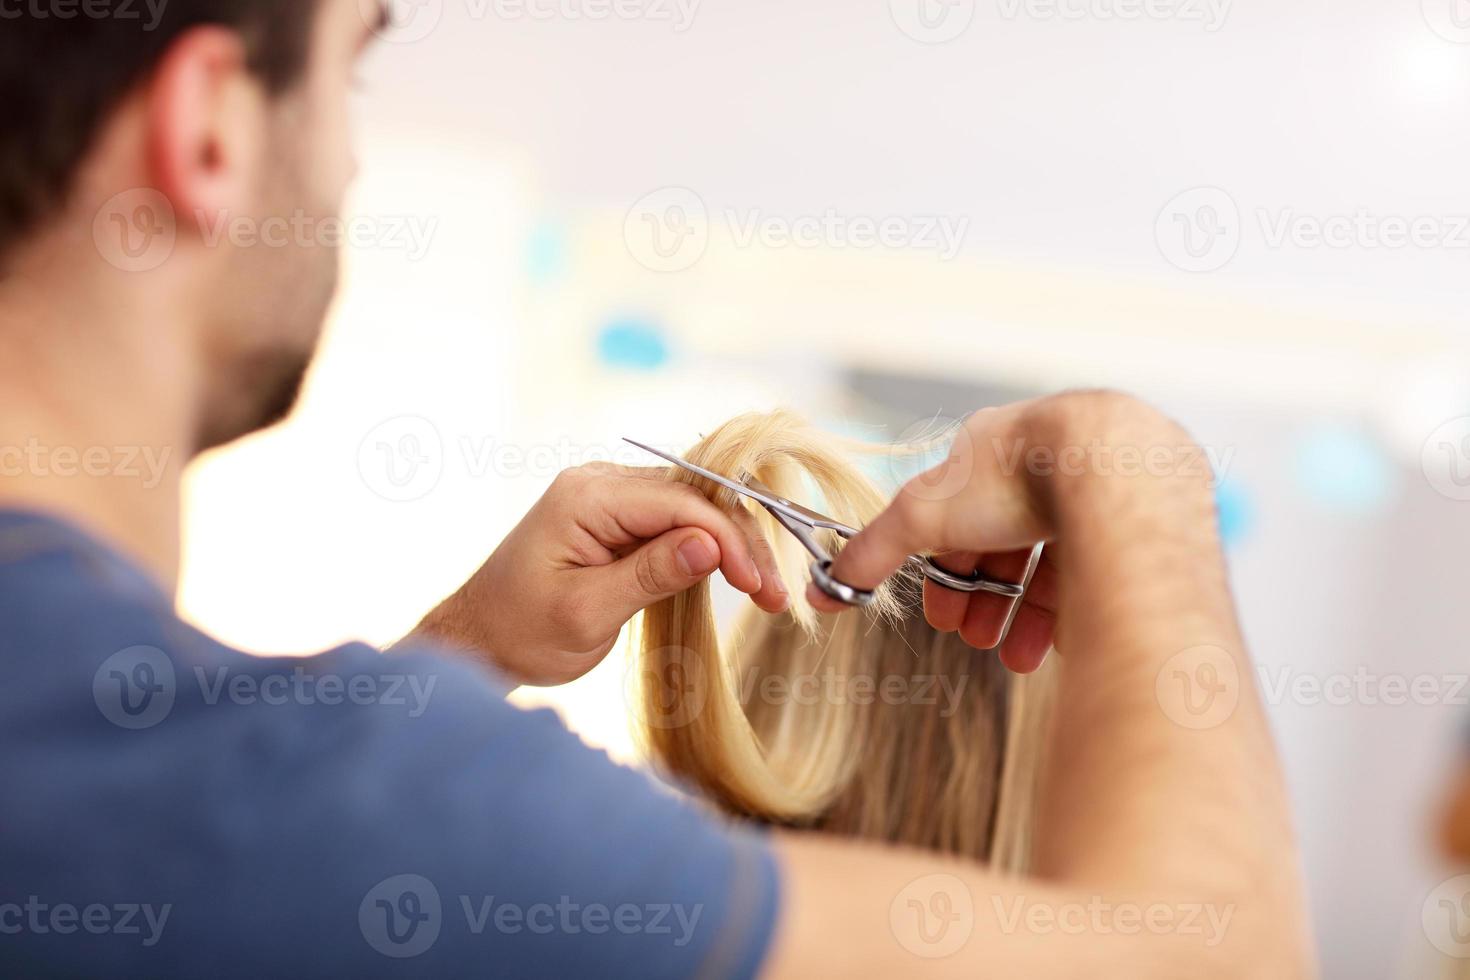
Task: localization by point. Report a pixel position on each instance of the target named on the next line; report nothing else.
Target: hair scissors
(803, 522)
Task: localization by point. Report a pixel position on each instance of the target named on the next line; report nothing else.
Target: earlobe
(204, 117)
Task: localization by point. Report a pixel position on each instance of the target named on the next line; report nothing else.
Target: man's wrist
(1108, 456)
(450, 627)
(1135, 511)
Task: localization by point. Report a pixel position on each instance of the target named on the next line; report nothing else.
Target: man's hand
(999, 491)
(604, 542)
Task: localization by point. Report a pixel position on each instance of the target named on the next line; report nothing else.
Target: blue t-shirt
(172, 807)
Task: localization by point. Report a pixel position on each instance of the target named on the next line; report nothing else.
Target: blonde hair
(953, 770)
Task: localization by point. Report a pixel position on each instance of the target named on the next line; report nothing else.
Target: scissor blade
(723, 481)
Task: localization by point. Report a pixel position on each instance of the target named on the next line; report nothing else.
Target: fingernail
(697, 558)
(755, 571)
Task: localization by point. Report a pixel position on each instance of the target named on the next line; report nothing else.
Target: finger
(822, 602)
(911, 523)
(1030, 639)
(773, 596)
(637, 510)
(945, 608)
(986, 613)
(671, 563)
(619, 469)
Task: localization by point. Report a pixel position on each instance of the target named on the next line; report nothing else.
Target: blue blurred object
(1236, 512)
(1344, 471)
(546, 253)
(632, 342)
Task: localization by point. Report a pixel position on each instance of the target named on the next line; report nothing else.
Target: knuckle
(648, 572)
(569, 479)
(916, 516)
(1109, 415)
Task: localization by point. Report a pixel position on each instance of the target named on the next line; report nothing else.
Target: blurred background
(579, 220)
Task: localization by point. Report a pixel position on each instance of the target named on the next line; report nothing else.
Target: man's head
(189, 158)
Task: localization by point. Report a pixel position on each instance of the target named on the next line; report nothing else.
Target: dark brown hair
(65, 65)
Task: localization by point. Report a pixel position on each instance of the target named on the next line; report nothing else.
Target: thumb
(669, 564)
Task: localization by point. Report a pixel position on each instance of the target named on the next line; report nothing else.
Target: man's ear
(206, 119)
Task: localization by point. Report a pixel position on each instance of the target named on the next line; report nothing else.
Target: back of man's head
(66, 64)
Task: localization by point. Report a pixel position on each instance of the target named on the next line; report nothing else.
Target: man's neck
(95, 418)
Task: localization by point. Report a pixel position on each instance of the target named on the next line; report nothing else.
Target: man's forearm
(1162, 774)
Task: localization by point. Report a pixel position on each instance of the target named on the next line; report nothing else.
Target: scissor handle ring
(973, 582)
(841, 591)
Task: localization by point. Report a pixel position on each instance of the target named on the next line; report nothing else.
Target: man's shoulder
(91, 645)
